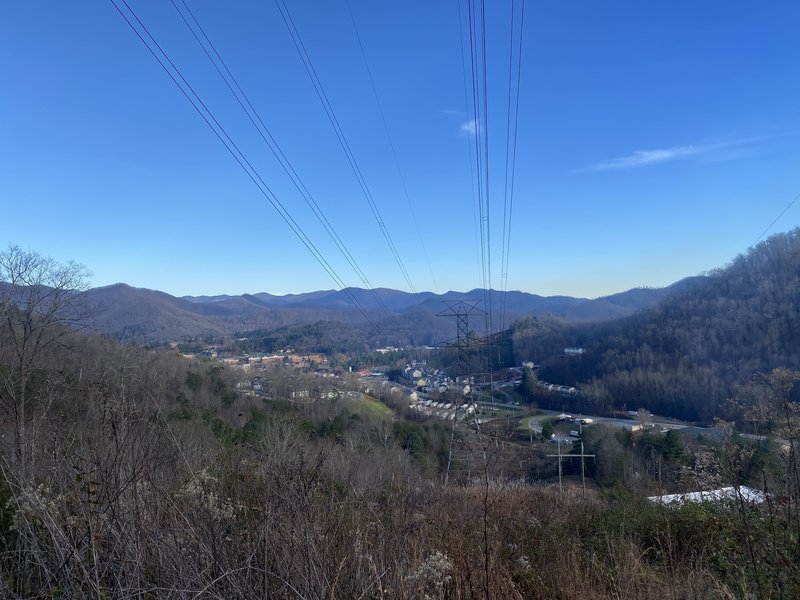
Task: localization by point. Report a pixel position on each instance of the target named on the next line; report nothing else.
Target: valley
(489, 454)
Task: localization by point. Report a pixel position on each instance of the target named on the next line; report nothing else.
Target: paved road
(535, 423)
(489, 404)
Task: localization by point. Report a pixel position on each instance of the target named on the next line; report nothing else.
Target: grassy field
(371, 406)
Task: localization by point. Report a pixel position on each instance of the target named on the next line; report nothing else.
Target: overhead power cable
(477, 126)
(480, 126)
(222, 135)
(485, 140)
(321, 94)
(474, 189)
(511, 153)
(791, 330)
(476, 13)
(391, 143)
(783, 212)
(257, 121)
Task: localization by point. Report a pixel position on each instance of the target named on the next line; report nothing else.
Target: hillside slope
(686, 355)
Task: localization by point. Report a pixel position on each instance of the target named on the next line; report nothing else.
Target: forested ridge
(390, 317)
(685, 356)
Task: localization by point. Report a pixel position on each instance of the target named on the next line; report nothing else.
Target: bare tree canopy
(40, 304)
(41, 287)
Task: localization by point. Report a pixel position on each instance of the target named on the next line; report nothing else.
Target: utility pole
(583, 456)
(560, 487)
(583, 468)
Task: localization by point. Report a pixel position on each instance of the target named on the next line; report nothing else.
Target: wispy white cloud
(471, 127)
(645, 158)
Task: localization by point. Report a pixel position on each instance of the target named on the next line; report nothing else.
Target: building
(574, 351)
(726, 494)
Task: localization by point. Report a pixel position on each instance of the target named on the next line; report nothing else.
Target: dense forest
(331, 337)
(686, 356)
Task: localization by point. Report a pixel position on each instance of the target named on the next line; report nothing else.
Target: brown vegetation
(147, 476)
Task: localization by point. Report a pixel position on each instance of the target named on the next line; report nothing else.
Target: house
(574, 351)
(726, 494)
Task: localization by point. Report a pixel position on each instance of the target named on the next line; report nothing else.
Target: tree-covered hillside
(685, 356)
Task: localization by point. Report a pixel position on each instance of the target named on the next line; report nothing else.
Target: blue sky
(656, 140)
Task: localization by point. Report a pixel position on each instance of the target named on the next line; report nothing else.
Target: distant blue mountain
(156, 316)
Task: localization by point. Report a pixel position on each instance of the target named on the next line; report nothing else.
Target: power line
(472, 174)
(783, 212)
(477, 38)
(508, 196)
(479, 67)
(320, 91)
(486, 161)
(777, 338)
(266, 135)
(478, 126)
(219, 131)
(391, 143)
(480, 112)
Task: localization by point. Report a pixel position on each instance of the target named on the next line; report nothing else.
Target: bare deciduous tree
(40, 305)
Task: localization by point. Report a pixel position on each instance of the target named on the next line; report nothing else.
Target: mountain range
(151, 316)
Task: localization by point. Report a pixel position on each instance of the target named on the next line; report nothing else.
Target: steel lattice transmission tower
(461, 310)
(464, 343)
